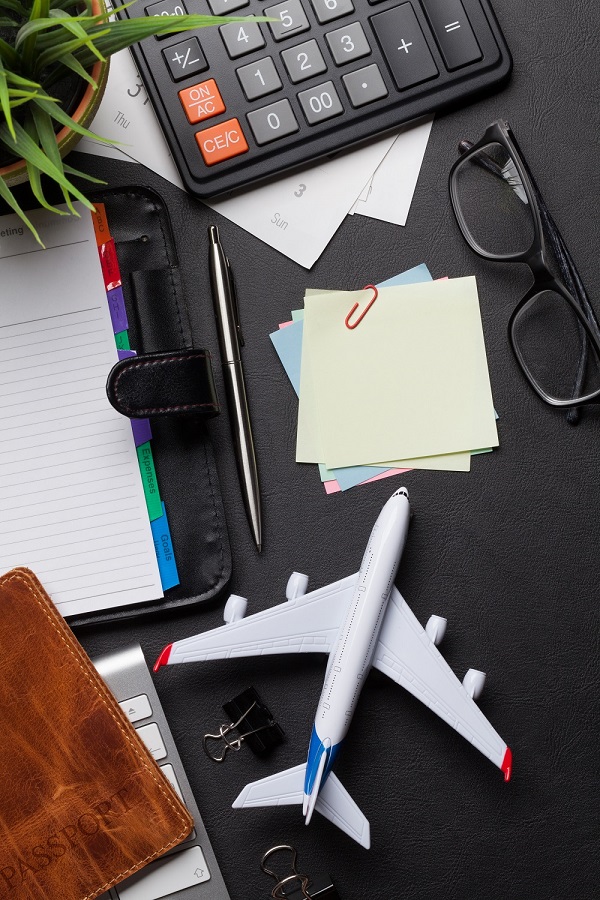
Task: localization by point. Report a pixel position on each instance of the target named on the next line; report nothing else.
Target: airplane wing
(307, 624)
(408, 655)
(334, 802)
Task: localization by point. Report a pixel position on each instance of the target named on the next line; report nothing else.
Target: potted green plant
(54, 58)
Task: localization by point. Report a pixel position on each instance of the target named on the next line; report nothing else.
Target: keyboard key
(185, 58)
(169, 773)
(292, 19)
(152, 738)
(320, 103)
(225, 7)
(166, 8)
(221, 142)
(303, 61)
(453, 32)
(259, 78)
(241, 38)
(166, 876)
(202, 101)
(348, 43)
(273, 122)
(404, 46)
(328, 10)
(137, 708)
(365, 86)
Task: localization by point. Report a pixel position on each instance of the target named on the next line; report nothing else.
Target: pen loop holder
(278, 892)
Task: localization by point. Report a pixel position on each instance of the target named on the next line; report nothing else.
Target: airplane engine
(473, 683)
(235, 609)
(296, 586)
(436, 629)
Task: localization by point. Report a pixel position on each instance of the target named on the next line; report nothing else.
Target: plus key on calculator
(244, 100)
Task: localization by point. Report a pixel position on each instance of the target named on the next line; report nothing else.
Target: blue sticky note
(163, 545)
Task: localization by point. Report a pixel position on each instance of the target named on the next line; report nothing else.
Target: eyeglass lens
(493, 202)
(550, 340)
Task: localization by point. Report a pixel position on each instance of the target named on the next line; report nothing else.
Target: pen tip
(213, 234)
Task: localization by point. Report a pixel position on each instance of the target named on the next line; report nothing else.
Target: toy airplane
(362, 621)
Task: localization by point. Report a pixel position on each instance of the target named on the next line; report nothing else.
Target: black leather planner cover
(183, 455)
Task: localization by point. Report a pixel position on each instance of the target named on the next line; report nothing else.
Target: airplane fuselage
(351, 656)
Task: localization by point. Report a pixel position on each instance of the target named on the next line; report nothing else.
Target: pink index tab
(110, 266)
(163, 659)
(116, 306)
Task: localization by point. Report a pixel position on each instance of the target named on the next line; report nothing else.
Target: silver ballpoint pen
(230, 340)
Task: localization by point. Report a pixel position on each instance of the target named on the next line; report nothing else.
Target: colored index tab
(116, 305)
(142, 432)
(110, 265)
(148, 472)
(165, 556)
(122, 340)
(100, 221)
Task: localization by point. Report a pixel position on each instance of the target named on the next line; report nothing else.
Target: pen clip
(234, 303)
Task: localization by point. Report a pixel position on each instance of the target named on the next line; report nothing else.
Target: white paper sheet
(72, 505)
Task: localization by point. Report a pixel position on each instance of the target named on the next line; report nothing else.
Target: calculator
(246, 100)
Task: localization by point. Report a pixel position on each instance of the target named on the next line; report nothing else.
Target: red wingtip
(507, 764)
(163, 659)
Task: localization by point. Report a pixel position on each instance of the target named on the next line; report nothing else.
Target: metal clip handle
(278, 891)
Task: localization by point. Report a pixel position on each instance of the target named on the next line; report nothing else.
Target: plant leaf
(70, 62)
(9, 55)
(35, 181)
(5, 103)
(8, 196)
(58, 113)
(25, 148)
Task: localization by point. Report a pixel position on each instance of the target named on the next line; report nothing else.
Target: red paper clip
(365, 310)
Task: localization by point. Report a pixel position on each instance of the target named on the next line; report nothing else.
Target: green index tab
(122, 340)
(146, 461)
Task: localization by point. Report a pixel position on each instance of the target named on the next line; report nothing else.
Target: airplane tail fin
(333, 800)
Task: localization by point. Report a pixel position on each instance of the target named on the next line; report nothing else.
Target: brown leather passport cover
(82, 802)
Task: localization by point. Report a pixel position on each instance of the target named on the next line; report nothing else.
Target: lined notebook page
(72, 505)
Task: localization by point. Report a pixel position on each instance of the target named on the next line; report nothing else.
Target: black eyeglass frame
(534, 257)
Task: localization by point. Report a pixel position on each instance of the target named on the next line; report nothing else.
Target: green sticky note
(122, 340)
(146, 461)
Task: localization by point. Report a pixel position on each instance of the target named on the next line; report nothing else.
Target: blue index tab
(165, 556)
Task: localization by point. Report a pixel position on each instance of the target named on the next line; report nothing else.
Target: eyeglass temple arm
(565, 262)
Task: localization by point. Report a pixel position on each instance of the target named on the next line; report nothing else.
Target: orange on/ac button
(202, 101)
(221, 142)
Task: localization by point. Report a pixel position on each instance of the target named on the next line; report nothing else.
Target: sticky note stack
(407, 388)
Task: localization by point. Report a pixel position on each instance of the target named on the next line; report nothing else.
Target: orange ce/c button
(221, 142)
(202, 101)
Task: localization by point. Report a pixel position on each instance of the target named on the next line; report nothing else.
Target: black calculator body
(243, 101)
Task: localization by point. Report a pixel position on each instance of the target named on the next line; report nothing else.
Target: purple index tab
(140, 427)
(116, 305)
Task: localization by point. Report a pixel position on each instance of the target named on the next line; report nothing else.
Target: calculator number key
(241, 38)
(328, 10)
(166, 8)
(259, 78)
(202, 101)
(185, 58)
(365, 86)
(320, 103)
(273, 122)
(291, 19)
(347, 44)
(303, 61)
(221, 142)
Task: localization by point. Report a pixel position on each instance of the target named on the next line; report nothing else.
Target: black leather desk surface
(509, 553)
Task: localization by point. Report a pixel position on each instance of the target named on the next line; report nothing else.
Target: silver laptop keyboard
(189, 871)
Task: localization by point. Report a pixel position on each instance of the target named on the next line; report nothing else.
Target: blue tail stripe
(315, 752)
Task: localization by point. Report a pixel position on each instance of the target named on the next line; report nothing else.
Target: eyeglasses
(553, 331)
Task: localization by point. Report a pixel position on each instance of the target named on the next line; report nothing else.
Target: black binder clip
(254, 723)
(296, 886)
